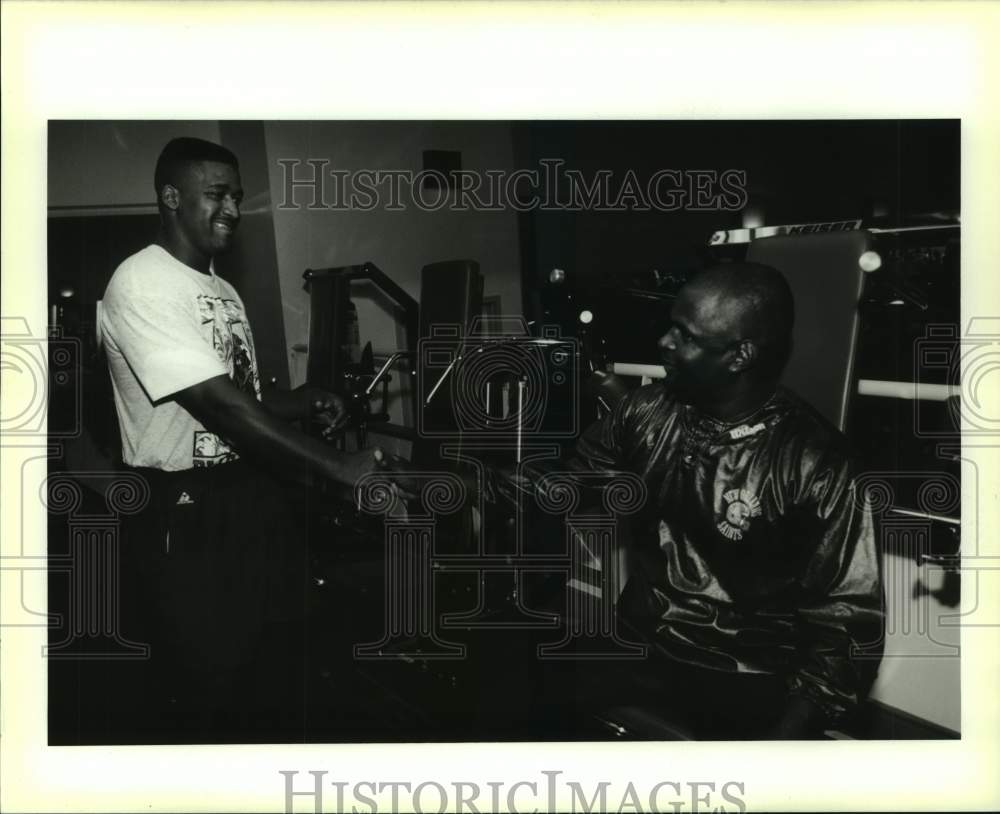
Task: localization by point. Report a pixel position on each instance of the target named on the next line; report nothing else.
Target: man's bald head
(757, 302)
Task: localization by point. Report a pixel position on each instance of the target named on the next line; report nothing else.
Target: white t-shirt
(167, 327)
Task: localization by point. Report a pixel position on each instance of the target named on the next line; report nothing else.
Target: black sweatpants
(214, 579)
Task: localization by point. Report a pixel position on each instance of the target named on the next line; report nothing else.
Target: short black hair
(187, 150)
(767, 298)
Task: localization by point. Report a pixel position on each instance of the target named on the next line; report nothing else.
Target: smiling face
(205, 202)
(702, 344)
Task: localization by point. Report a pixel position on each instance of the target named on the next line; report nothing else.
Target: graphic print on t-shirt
(244, 371)
(233, 343)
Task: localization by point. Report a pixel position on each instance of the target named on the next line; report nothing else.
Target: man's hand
(327, 409)
(393, 467)
(399, 471)
(356, 465)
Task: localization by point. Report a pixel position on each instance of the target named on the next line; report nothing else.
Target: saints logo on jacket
(741, 506)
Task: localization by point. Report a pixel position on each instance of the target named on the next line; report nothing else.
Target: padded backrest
(826, 280)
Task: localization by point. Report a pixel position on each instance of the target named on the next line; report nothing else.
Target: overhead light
(870, 261)
(66, 292)
(897, 302)
(586, 317)
(556, 276)
(753, 217)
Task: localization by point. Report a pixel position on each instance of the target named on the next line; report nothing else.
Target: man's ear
(744, 356)
(170, 196)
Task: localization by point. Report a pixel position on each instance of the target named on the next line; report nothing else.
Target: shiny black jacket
(754, 553)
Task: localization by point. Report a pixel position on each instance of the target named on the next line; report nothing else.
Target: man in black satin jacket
(755, 566)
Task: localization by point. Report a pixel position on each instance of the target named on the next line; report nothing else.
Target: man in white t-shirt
(179, 345)
(216, 560)
(168, 327)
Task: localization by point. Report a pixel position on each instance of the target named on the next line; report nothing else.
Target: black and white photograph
(504, 430)
(338, 435)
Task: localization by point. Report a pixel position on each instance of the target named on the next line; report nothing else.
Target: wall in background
(252, 264)
(398, 242)
(110, 163)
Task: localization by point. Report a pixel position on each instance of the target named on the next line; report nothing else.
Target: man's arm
(841, 612)
(599, 447)
(257, 433)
